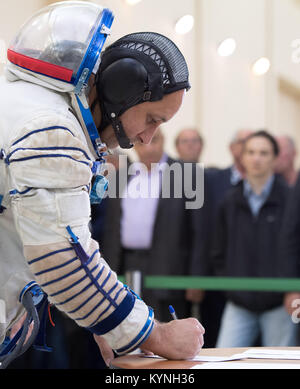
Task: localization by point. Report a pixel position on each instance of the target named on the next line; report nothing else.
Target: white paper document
(240, 365)
(254, 353)
(205, 358)
(271, 354)
(234, 357)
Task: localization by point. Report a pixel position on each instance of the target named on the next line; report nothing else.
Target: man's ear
(123, 82)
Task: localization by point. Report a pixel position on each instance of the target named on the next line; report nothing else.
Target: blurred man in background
(285, 164)
(189, 145)
(217, 182)
(246, 245)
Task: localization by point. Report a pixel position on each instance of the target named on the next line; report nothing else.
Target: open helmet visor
(62, 41)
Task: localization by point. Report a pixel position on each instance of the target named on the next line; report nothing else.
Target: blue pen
(172, 312)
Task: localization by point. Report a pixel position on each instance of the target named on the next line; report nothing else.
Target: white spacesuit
(47, 161)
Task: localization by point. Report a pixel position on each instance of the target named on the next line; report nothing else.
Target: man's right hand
(178, 339)
(289, 300)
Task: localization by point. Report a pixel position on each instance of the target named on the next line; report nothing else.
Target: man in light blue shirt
(139, 203)
(257, 200)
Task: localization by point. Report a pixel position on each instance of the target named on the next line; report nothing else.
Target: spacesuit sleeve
(50, 173)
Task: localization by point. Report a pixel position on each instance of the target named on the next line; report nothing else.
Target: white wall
(225, 95)
(13, 13)
(285, 87)
(286, 30)
(232, 97)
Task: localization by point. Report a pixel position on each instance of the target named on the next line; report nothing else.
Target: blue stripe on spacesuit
(141, 337)
(117, 295)
(113, 288)
(92, 256)
(1, 206)
(76, 294)
(48, 149)
(41, 130)
(93, 310)
(85, 260)
(106, 279)
(62, 277)
(72, 285)
(113, 320)
(106, 297)
(82, 290)
(107, 308)
(47, 156)
(49, 255)
(56, 267)
(95, 307)
(92, 296)
(102, 313)
(100, 287)
(15, 191)
(84, 303)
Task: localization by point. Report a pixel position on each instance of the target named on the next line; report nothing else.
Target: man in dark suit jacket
(248, 228)
(153, 234)
(217, 182)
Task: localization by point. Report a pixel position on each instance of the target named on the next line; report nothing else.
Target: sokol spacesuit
(49, 152)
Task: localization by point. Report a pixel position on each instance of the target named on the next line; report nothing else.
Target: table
(137, 361)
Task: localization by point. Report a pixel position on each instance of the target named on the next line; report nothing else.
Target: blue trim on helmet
(85, 70)
(92, 54)
(90, 125)
(95, 47)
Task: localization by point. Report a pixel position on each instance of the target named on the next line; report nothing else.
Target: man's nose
(147, 135)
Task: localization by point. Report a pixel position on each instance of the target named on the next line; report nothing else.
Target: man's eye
(152, 120)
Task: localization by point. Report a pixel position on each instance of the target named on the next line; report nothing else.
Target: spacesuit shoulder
(49, 152)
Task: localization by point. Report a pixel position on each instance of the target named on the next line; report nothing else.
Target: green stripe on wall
(221, 283)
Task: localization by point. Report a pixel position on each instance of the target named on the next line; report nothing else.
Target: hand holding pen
(176, 339)
(172, 312)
